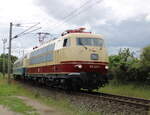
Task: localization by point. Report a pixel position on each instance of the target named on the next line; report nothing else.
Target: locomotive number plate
(94, 66)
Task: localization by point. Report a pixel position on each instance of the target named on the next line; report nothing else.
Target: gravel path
(40, 108)
(6, 111)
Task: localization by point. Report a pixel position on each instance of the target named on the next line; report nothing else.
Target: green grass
(62, 105)
(65, 106)
(133, 90)
(8, 98)
(9, 93)
(17, 105)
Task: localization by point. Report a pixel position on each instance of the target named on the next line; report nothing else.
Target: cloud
(109, 10)
(124, 23)
(129, 33)
(147, 18)
(127, 9)
(22, 12)
(79, 16)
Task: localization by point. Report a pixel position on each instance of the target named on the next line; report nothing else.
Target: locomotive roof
(61, 37)
(69, 36)
(83, 35)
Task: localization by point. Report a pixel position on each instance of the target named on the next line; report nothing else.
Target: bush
(5, 61)
(125, 68)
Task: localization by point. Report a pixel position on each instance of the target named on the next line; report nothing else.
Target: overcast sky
(124, 23)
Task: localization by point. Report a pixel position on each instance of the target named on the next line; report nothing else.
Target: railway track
(133, 102)
(100, 102)
(126, 99)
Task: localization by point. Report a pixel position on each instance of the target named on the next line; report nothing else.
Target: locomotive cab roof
(80, 33)
(83, 35)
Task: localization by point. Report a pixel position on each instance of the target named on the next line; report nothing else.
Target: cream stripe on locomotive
(66, 48)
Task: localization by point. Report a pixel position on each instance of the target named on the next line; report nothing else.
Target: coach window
(66, 42)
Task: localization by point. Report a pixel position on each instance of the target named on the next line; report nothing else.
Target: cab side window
(66, 42)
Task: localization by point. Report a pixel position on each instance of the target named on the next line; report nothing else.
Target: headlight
(106, 67)
(78, 66)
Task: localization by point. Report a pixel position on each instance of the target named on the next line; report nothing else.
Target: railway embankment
(95, 103)
(20, 98)
(30, 99)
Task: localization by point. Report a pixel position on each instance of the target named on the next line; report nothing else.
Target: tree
(13, 58)
(1, 64)
(145, 65)
(121, 66)
(145, 56)
(5, 60)
(125, 68)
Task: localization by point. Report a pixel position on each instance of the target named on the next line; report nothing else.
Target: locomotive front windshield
(90, 42)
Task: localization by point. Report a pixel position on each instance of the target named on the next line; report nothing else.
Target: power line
(25, 31)
(29, 32)
(76, 13)
(75, 10)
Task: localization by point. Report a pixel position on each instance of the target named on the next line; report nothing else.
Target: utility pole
(9, 47)
(9, 54)
(4, 42)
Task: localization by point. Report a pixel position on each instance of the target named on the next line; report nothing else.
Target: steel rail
(139, 102)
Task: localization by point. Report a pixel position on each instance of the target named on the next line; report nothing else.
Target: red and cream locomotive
(75, 60)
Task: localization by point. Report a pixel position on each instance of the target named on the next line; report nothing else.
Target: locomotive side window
(90, 42)
(42, 55)
(43, 50)
(41, 59)
(66, 43)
